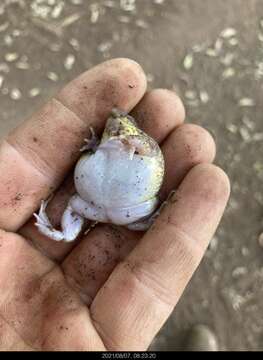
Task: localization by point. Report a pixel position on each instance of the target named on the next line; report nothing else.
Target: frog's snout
(122, 116)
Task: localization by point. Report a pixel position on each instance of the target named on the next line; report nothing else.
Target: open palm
(112, 289)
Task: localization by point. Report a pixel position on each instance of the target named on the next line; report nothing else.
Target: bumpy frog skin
(117, 181)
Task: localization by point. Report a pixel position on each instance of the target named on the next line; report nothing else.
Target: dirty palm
(112, 288)
(117, 181)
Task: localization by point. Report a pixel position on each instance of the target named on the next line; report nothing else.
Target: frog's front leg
(71, 224)
(91, 143)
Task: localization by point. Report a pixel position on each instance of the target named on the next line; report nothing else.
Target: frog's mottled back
(120, 124)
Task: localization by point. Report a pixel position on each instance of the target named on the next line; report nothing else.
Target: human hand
(113, 289)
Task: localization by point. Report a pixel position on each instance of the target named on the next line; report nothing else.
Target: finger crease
(43, 168)
(15, 331)
(189, 242)
(70, 111)
(107, 340)
(150, 283)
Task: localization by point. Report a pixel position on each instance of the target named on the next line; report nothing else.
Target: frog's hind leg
(45, 226)
(146, 223)
(71, 224)
(88, 209)
(131, 214)
(143, 225)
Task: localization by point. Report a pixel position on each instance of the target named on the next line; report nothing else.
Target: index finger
(35, 157)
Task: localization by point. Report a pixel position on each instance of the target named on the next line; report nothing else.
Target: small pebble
(15, 94)
(75, 44)
(244, 134)
(232, 128)
(233, 42)
(52, 76)
(76, 2)
(239, 271)
(246, 102)
(10, 57)
(4, 26)
(212, 52)
(55, 47)
(201, 338)
(260, 240)
(141, 23)
(105, 46)
(34, 92)
(228, 73)
(218, 45)
(69, 62)
(228, 33)
(94, 16)
(204, 97)
(128, 5)
(257, 137)
(23, 64)
(150, 78)
(244, 251)
(227, 59)
(214, 244)
(109, 3)
(16, 32)
(190, 95)
(57, 10)
(188, 62)
(198, 48)
(8, 40)
(260, 37)
(248, 122)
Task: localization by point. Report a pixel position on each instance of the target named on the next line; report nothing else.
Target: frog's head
(120, 124)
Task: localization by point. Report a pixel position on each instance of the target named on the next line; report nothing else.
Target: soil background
(211, 53)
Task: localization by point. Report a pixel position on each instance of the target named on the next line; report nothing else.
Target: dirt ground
(211, 52)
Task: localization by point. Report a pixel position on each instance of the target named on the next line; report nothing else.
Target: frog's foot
(92, 143)
(145, 224)
(71, 224)
(45, 226)
(142, 225)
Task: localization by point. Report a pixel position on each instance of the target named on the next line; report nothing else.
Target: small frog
(117, 181)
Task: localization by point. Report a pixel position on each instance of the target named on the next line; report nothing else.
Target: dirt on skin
(211, 53)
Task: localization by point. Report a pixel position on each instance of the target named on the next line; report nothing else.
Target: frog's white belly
(110, 178)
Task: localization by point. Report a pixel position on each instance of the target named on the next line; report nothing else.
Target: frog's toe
(44, 225)
(50, 232)
(42, 216)
(92, 143)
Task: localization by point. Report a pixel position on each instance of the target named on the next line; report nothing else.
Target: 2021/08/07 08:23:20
(128, 355)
